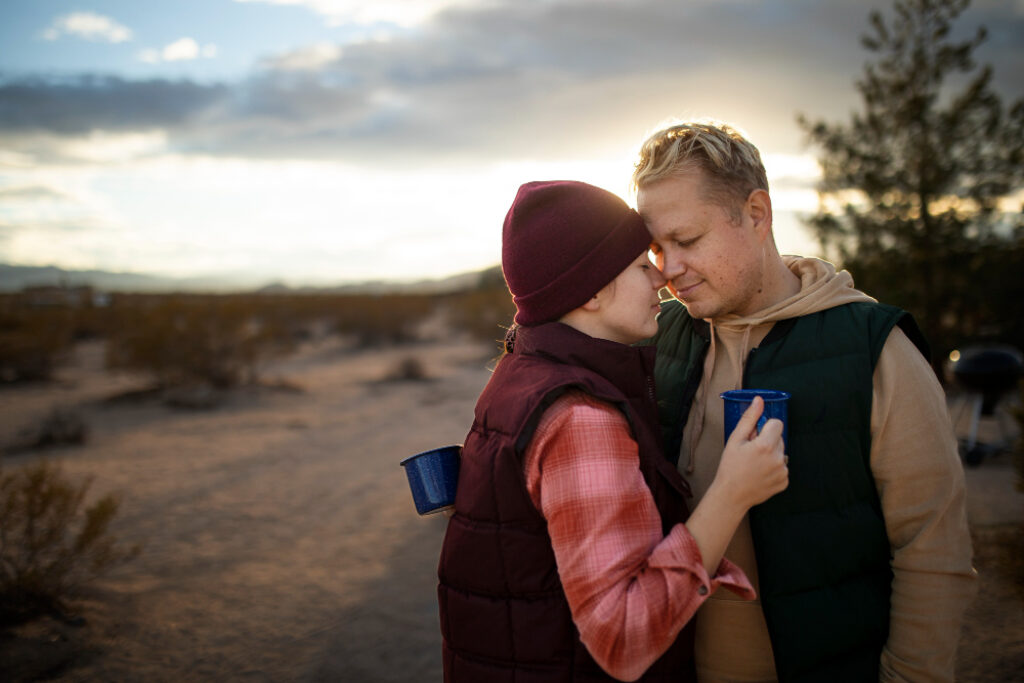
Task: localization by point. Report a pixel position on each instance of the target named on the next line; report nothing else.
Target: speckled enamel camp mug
(737, 402)
(433, 476)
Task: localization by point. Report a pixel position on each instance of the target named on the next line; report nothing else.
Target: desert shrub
(61, 426)
(220, 341)
(382, 320)
(486, 311)
(91, 322)
(32, 341)
(408, 369)
(50, 547)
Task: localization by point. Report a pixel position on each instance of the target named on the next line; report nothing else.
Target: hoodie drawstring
(701, 399)
(744, 352)
(699, 404)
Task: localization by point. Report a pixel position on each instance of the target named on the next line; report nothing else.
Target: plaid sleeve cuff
(686, 554)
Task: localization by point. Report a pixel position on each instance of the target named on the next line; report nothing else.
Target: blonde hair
(730, 163)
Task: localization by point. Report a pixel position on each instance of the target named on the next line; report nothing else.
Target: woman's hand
(753, 467)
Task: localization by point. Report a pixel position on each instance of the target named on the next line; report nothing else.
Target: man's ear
(759, 209)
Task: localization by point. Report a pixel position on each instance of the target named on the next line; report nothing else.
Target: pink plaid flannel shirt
(630, 589)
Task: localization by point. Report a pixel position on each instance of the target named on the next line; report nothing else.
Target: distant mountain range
(17, 278)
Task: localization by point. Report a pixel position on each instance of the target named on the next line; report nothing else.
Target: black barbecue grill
(986, 374)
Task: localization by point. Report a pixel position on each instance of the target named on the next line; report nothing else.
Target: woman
(571, 555)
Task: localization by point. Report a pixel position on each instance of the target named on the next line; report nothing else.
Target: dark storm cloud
(514, 78)
(69, 106)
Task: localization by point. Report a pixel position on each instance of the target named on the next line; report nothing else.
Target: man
(571, 555)
(863, 565)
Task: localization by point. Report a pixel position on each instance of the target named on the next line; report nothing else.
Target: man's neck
(778, 284)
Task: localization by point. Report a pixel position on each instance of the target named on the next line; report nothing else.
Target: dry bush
(485, 312)
(61, 426)
(91, 322)
(382, 320)
(408, 369)
(32, 341)
(49, 546)
(220, 341)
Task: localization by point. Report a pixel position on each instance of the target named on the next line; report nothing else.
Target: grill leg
(960, 402)
(972, 435)
(1006, 432)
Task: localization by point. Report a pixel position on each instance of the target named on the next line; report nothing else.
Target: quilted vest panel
(504, 616)
(822, 551)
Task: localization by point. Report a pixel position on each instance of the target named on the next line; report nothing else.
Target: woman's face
(627, 305)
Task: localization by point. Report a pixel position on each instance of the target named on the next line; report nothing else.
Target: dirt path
(279, 539)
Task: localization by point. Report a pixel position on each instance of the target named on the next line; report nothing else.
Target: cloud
(29, 193)
(78, 105)
(101, 147)
(398, 12)
(15, 160)
(48, 208)
(512, 80)
(88, 26)
(311, 58)
(183, 49)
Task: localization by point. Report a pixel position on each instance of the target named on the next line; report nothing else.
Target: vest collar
(629, 368)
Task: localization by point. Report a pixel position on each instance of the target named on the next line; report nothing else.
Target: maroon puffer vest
(504, 615)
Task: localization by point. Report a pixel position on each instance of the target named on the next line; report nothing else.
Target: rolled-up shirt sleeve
(630, 589)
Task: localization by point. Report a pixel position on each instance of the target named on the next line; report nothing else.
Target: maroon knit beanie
(562, 242)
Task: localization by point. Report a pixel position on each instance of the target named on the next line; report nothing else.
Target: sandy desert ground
(279, 540)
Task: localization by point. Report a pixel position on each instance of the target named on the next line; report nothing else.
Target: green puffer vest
(823, 555)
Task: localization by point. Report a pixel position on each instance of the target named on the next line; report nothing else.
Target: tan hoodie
(917, 470)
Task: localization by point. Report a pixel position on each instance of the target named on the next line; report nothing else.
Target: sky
(321, 142)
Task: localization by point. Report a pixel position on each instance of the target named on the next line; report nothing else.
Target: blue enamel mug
(738, 400)
(433, 476)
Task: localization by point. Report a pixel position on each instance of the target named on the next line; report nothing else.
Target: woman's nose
(658, 279)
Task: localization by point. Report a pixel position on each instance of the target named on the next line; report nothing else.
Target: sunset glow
(329, 141)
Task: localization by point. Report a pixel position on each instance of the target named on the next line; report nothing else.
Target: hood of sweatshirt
(821, 287)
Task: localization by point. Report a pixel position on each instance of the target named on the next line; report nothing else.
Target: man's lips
(683, 292)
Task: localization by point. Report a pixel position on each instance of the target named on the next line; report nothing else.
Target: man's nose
(671, 266)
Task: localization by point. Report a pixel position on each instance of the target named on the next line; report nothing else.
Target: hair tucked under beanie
(562, 242)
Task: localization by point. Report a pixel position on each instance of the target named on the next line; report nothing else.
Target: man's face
(713, 263)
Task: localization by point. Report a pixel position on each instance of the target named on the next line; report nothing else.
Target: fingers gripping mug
(738, 400)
